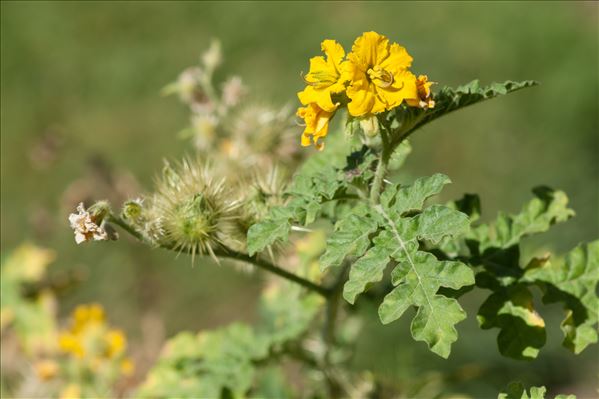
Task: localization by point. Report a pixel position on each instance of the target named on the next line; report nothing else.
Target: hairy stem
(381, 169)
(227, 253)
(265, 265)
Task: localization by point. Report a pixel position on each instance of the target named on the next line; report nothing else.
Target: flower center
(380, 77)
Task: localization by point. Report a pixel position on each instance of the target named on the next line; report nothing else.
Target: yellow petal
(322, 97)
(362, 98)
(369, 49)
(397, 61)
(305, 140)
(317, 124)
(334, 52)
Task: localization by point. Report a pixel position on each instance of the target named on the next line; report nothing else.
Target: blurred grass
(91, 73)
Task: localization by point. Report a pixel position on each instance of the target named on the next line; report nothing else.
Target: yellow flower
(116, 343)
(326, 77)
(317, 124)
(379, 75)
(70, 343)
(86, 315)
(424, 100)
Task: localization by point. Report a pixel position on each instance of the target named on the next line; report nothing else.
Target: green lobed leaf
(418, 275)
(400, 200)
(314, 185)
(522, 330)
(275, 227)
(370, 267)
(495, 246)
(448, 99)
(516, 390)
(537, 216)
(572, 281)
(418, 278)
(438, 221)
(469, 205)
(351, 237)
(395, 230)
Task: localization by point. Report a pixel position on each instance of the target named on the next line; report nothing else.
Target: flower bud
(213, 56)
(132, 209)
(370, 126)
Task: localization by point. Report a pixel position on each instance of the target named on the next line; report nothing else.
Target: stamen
(306, 81)
(385, 78)
(322, 80)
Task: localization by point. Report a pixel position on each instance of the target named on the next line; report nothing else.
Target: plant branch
(265, 265)
(329, 333)
(227, 253)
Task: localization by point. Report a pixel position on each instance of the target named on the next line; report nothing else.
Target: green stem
(381, 169)
(265, 265)
(329, 333)
(228, 253)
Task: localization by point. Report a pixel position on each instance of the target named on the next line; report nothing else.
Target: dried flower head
(87, 226)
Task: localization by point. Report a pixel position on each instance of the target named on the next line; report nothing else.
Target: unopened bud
(370, 126)
(213, 56)
(132, 209)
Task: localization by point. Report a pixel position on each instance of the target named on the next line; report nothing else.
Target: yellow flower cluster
(373, 78)
(89, 338)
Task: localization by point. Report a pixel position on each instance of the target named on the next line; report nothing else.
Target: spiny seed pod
(264, 190)
(262, 132)
(197, 213)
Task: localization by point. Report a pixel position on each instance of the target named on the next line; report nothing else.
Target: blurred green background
(81, 113)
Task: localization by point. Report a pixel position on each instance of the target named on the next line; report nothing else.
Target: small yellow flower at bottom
(127, 367)
(72, 391)
(424, 100)
(116, 343)
(70, 343)
(85, 315)
(316, 124)
(46, 369)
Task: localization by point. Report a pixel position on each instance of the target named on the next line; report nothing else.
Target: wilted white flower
(233, 91)
(213, 56)
(85, 226)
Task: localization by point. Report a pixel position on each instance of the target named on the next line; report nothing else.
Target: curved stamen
(306, 81)
(384, 78)
(321, 80)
